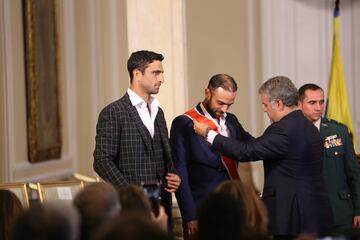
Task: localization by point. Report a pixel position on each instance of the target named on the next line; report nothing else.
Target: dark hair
(280, 88)
(47, 221)
(308, 86)
(224, 81)
(140, 60)
(10, 208)
(220, 217)
(130, 228)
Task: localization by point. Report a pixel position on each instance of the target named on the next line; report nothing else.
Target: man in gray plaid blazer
(132, 145)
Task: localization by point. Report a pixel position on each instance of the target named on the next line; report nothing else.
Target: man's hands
(173, 182)
(201, 128)
(356, 222)
(192, 228)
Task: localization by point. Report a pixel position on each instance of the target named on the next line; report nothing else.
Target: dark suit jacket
(200, 167)
(123, 153)
(341, 173)
(294, 190)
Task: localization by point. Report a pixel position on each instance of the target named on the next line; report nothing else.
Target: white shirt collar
(317, 124)
(207, 114)
(137, 100)
(221, 126)
(148, 118)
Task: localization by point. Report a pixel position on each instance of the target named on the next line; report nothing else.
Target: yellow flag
(338, 107)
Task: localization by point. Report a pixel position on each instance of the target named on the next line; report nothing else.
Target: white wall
(297, 42)
(158, 25)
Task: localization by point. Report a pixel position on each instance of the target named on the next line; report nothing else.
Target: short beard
(208, 109)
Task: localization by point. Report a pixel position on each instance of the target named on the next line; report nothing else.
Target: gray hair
(280, 88)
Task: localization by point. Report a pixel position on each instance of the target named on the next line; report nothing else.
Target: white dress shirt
(317, 124)
(221, 126)
(146, 114)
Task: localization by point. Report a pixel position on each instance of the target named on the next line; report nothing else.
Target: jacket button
(336, 153)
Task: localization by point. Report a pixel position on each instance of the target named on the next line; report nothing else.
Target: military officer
(341, 170)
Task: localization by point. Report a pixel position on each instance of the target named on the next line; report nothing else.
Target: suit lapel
(199, 109)
(231, 128)
(141, 128)
(160, 122)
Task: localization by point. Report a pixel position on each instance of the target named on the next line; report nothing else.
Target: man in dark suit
(132, 145)
(200, 167)
(341, 170)
(291, 149)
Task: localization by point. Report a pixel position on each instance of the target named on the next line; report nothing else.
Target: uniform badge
(332, 141)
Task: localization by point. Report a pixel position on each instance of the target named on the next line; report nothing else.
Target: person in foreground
(291, 149)
(130, 228)
(201, 168)
(255, 212)
(221, 217)
(132, 145)
(96, 203)
(10, 209)
(341, 170)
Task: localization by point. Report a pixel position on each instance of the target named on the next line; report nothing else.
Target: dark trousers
(166, 201)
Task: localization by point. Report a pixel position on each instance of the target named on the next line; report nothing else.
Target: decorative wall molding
(7, 49)
(251, 65)
(69, 63)
(257, 169)
(356, 63)
(67, 165)
(113, 20)
(17, 166)
(55, 169)
(3, 127)
(178, 57)
(95, 42)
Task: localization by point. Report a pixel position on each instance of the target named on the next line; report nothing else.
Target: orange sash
(228, 163)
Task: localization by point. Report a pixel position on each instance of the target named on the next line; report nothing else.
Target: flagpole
(337, 8)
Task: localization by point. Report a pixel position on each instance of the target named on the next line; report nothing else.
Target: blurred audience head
(53, 221)
(220, 216)
(10, 208)
(255, 212)
(96, 203)
(134, 202)
(131, 228)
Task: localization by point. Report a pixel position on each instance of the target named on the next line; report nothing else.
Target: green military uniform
(341, 172)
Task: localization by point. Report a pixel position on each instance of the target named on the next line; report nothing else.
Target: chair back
(64, 191)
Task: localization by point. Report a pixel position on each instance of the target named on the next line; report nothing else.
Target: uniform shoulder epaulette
(335, 122)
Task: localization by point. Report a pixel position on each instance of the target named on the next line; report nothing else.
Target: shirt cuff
(211, 136)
